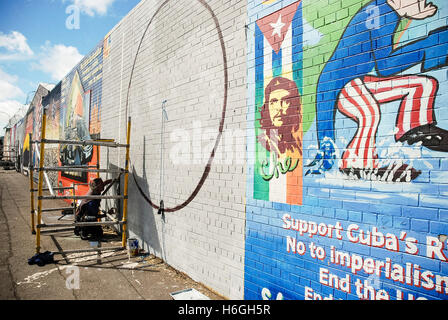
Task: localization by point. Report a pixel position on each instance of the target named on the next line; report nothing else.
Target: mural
(350, 86)
(73, 113)
(369, 220)
(20, 130)
(52, 105)
(33, 124)
(27, 157)
(76, 126)
(79, 116)
(278, 163)
(37, 128)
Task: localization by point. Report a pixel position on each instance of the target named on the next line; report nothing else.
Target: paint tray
(188, 294)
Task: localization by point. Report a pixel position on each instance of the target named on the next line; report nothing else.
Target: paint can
(132, 247)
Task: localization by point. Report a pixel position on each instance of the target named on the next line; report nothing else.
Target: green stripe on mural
(261, 187)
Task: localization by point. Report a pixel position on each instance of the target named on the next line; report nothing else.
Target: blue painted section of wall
(411, 216)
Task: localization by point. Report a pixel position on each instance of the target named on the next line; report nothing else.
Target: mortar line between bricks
(10, 254)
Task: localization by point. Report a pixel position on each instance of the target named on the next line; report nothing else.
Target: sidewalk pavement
(111, 275)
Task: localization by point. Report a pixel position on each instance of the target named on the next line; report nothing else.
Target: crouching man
(89, 211)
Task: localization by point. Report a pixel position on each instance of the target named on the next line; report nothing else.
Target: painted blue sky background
(37, 45)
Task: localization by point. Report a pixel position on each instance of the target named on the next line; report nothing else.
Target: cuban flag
(278, 53)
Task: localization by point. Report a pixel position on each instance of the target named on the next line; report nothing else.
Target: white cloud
(8, 108)
(15, 46)
(57, 60)
(9, 96)
(8, 88)
(92, 7)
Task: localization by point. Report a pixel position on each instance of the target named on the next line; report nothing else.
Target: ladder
(37, 226)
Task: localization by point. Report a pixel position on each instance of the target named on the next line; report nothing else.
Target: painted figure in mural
(76, 127)
(280, 121)
(348, 85)
(280, 117)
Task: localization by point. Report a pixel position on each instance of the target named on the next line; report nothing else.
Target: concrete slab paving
(106, 275)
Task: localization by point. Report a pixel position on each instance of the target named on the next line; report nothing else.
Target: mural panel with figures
(278, 109)
(369, 217)
(81, 93)
(52, 105)
(26, 153)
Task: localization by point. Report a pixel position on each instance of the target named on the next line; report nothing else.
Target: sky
(42, 40)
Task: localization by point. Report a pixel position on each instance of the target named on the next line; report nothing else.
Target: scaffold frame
(36, 214)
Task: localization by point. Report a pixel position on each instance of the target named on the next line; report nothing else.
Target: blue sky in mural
(41, 40)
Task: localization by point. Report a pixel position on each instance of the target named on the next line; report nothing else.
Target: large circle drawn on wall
(223, 114)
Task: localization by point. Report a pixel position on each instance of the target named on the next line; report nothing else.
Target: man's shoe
(431, 137)
(42, 259)
(33, 259)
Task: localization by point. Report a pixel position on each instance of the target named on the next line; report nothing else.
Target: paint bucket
(132, 247)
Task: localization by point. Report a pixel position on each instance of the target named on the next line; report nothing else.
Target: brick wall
(181, 59)
(365, 217)
(299, 147)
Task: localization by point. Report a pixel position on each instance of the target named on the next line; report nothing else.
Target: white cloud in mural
(57, 60)
(14, 46)
(92, 7)
(311, 36)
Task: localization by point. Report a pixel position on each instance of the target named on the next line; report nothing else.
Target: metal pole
(98, 160)
(41, 181)
(50, 188)
(94, 197)
(126, 176)
(30, 173)
(77, 169)
(74, 205)
(102, 143)
(161, 184)
(80, 224)
(90, 250)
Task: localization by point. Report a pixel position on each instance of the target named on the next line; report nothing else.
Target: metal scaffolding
(36, 215)
(9, 158)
